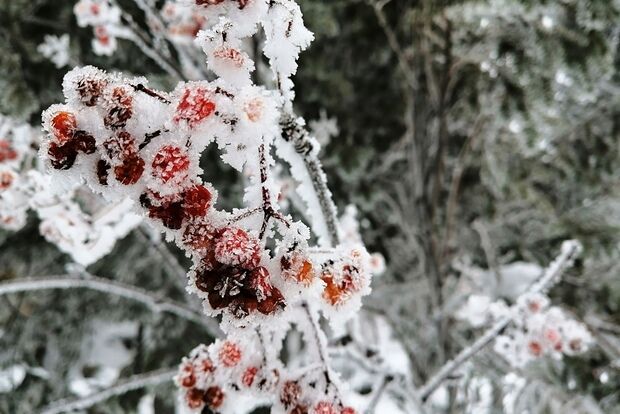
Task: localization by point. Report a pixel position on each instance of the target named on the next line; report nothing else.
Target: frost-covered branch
(130, 384)
(570, 250)
(294, 131)
(113, 288)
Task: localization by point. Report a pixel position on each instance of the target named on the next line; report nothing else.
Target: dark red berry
(121, 109)
(130, 170)
(84, 142)
(90, 89)
(197, 200)
(214, 397)
(62, 157)
(103, 169)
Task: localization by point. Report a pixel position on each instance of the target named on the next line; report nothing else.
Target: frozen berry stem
(570, 250)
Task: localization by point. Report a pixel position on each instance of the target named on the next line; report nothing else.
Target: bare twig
(570, 250)
(132, 383)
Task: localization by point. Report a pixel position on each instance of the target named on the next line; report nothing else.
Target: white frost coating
(56, 49)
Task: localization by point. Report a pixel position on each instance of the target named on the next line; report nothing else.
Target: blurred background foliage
(476, 132)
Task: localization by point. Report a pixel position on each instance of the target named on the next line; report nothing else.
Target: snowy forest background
(472, 137)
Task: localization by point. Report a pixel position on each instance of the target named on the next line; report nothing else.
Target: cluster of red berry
(68, 141)
(295, 401)
(210, 374)
(231, 275)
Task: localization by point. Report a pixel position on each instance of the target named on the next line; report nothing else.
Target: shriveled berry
(84, 142)
(198, 234)
(230, 354)
(242, 3)
(170, 162)
(214, 397)
(348, 410)
(130, 170)
(121, 109)
(64, 125)
(120, 145)
(197, 200)
(273, 303)
(62, 157)
(90, 89)
(194, 106)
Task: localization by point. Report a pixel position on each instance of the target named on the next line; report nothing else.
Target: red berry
(230, 354)
(197, 200)
(84, 142)
(535, 348)
(120, 146)
(348, 410)
(214, 397)
(130, 170)
(170, 162)
(248, 376)
(90, 89)
(6, 179)
(62, 157)
(194, 398)
(236, 247)
(194, 106)
(6, 151)
(243, 3)
(291, 393)
(230, 54)
(272, 303)
(325, 407)
(120, 109)
(259, 283)
(199, 235)
(64, 125)
(297, 267)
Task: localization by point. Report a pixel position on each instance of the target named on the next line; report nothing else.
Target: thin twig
(298, 136)
(113, 288)
(132, 383)
(570, 250)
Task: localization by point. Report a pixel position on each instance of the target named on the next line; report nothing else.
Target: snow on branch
(130, 384)
(570, 250)
(111, 287)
